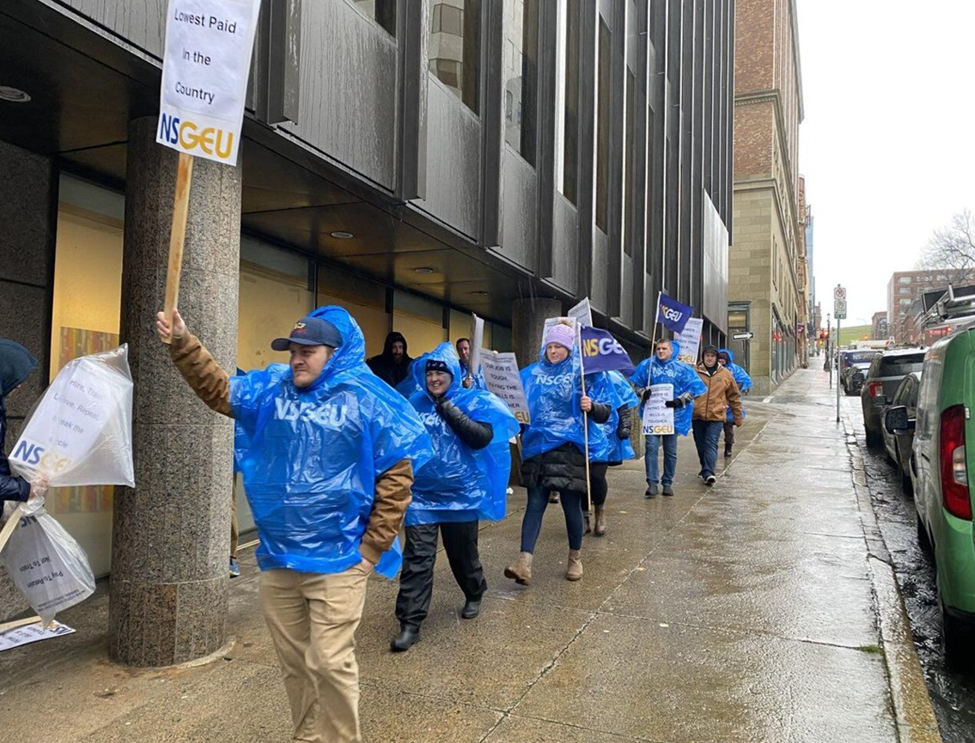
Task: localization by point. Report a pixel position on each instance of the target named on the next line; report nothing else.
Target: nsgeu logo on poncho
(308, 412)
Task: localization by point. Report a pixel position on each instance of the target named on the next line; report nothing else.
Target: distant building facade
(905, 289)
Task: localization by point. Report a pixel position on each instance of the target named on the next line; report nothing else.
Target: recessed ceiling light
(423, 269)
(342, 235)
(479, 293)
(13, 95)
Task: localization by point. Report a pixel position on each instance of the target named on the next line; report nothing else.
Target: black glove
(472, 433)
(623, 426)
(646, 394)
(676, 404)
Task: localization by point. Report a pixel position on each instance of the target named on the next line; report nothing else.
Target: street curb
(913, 711)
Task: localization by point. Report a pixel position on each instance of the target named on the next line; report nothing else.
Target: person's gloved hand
(676, 404)
(646, 394)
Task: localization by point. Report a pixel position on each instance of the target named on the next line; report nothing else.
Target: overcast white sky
(888, 143)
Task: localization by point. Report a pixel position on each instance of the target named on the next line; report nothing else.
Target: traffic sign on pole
(839, 302)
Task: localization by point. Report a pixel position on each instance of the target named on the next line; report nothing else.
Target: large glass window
(567, 99)
(85, 320)
(365, 300)
(382, 12)
(455, 48)
(602, 127)
(274, 292)
(521, 75)
(420, 321)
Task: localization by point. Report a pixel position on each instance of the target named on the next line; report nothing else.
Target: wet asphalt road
(952, 690)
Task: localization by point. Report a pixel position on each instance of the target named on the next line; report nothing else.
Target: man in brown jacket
(711, 408)
(327, 452)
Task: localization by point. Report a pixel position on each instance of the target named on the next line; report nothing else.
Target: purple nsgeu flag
(601, 352)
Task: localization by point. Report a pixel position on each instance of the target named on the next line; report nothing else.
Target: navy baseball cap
(310, 331)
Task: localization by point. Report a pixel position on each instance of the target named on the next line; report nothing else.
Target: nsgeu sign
(205, 68)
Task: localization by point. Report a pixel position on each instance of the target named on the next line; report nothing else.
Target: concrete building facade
(767, 266)
(414, 162)
(881, 329)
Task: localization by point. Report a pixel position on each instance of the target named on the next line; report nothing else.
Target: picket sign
(658, 419)
(206, 64)
(17, 623)
(477, 340)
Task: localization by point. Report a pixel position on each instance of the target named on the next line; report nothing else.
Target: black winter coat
(11, 487)
(564, 467)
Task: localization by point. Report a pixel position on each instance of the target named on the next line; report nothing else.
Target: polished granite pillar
(527, 324)
(171, 533)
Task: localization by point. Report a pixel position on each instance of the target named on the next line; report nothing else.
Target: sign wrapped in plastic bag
(80, 433)
(46, 563)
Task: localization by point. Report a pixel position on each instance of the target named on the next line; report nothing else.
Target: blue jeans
(531, 525)
(670, 458)
(706, 435)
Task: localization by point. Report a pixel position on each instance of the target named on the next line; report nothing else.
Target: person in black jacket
(393, 364)
(553, 448)
(466, 481)
(16, 364)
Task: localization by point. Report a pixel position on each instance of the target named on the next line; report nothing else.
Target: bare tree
(952, 247)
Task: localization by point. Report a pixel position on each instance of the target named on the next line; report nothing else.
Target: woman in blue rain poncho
(664, 368)
(610, 445)
(466, 481)
(553, 446)
(727, 359)
(327, 452)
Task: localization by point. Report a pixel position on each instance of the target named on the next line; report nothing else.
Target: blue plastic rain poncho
(477, 378)
(311, 456)
(618, 450)
(460, 484)
(407, 388)
(602, 436)
(741, 377)
(554, 393)
(685, 380)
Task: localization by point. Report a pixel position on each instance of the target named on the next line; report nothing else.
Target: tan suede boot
(600, 521)
(521, 571)
(574, 571)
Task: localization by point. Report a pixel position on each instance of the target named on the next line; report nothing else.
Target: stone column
(171, 538)
(28, 226)
(527, 323)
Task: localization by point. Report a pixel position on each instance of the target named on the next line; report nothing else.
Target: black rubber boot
(407, 638)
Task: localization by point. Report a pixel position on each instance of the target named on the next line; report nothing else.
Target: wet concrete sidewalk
(748, 612)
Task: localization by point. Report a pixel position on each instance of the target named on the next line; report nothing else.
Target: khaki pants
(312, 618)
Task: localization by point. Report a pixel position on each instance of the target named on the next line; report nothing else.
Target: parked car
(850, 362)
(942, 487)
(879, 385)
(900, 446)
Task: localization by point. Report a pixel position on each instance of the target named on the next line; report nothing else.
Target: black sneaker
(651, 491)
(668, 490)
(710, 480)
(727, 452)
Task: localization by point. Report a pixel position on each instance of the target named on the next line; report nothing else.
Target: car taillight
(954, 469)
(875, 389)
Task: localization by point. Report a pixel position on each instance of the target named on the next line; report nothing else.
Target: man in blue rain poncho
(664, 368)
(727, 359)
(466, 481)
(327, 455)
(469, 380)
(609, 443)
(16, 364)
(553, 447)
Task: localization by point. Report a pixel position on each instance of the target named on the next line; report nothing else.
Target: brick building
(905, 288)
(767, 273)
(881, 330)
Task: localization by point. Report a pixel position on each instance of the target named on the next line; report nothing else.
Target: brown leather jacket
(722, 393)
(393, 487)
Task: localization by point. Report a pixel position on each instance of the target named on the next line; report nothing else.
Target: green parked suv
(939, 470)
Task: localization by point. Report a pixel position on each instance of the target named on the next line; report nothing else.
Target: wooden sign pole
(177, 235)
(8, 528)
